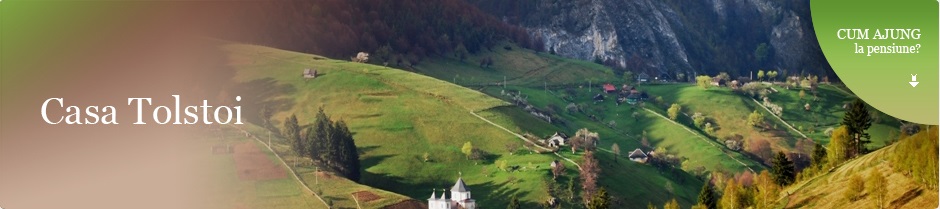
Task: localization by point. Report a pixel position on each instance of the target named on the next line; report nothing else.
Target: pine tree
(706, 197)
(857, 120)
(292, 133)
(819, 156)
(782, 169)
(318, 138)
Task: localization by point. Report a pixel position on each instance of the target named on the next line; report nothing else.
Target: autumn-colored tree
(766, 190)
(854, 188)
(672, 204)
(877, 187)
(590, 170)
(558, 170)
(730, 198)
(839, 146)
(760, 75)
(615, 148)
(584, 138)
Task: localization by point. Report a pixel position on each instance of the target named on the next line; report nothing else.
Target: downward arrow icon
(913, 80)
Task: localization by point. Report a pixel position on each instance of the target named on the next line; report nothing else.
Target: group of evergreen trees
(327, 142)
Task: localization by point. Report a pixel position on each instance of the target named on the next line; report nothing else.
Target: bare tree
(558, 169)
(616, 150)
(590, 169)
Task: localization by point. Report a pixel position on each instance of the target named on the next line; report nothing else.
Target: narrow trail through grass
(778, 118)
(702, 138)
(524, 139)
(293, 173)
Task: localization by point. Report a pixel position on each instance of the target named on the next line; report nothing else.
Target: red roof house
(609, 88)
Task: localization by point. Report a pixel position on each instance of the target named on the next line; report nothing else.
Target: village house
(609, 88)
(310, 73)
(557, 140)
(459, 198)
(643, 77)
(638, 156)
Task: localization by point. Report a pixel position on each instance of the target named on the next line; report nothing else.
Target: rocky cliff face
(674, 36)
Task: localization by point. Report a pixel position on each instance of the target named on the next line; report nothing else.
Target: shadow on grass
(263, 97)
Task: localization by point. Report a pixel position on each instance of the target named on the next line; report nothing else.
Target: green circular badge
(886, 52)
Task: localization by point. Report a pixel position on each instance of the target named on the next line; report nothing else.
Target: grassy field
(233, 192)
(628, 130)
(826, 191)
(518, 66)
(396, 117)
(829, 114)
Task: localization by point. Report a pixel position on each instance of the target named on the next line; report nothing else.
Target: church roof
(459, 186)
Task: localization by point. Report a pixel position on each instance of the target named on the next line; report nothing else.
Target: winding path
(524, 139)
(296, 177)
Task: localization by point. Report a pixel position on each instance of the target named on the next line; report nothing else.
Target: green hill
(398, 117)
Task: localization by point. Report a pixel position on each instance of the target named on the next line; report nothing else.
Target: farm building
(557, 140)
(638, 156)
(609, 88)
(310, 73)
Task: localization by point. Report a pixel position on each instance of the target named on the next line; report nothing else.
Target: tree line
(407, 30)
(328, 143)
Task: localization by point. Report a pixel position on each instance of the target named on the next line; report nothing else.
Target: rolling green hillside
(398, 117)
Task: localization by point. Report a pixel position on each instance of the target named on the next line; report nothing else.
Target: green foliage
(819, 156)
(709, 129)
(467, 149)
(292, 133)
(760, 75)
(755, 119)
(332, 144)
(782, 169)
(698, 119)
(600, 200)
(674, 111)
(772, 75)
(706, 197)
(502, 165)
(460, 52)
(703, 81)
(762, 52)
(857, 120)
(877, 187)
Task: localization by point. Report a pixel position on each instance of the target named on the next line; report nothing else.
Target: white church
(459, 198)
